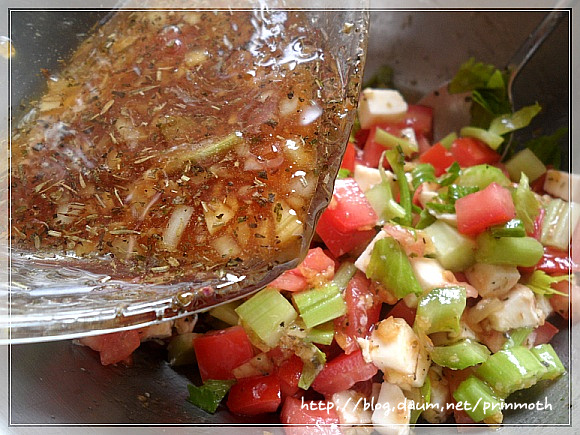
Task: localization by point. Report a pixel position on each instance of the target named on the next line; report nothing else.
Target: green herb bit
(450, 176)
(512, 228)
(423, 172)
(382, 79)
(396, 160)
(343, 173)
(547, 148)
(541, 283)
(314, 360)
(514, 121)
(210, 394)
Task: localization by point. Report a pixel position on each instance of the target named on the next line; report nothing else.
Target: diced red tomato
(219, 352)
(289, 374)
(561, 304)
(338, 242)
(363, 308)
(349, 210)
(291, 280)
(420, 119)
(312, 417)
(317, 264)
(402, 311)
(361, 136)
(477, 211)
(343, 372)
(255, 395)
(423, 142)
(556, 262)
(538, 184)
(349, 157)
(469, 151)
(439, 156)
(114, 347)
(373, 150)
(545, 333)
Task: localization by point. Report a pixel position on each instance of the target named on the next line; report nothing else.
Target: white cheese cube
(562, 185)
(367, 177)
(492, 280)
(428, 272)
(380, 105)
(350, 407)
(439, 412)
(392, 411)
(518, 310)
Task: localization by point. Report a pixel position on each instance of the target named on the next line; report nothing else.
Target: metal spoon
(452, 110)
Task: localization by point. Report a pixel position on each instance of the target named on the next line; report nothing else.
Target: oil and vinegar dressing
(176, 144)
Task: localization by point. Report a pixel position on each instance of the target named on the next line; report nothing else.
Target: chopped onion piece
(176, 225)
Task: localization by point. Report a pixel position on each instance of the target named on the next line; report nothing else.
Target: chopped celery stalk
(425, 219)
(421, 397)
(266, 313)
(560, 218)
(517, 337)
(344, 274)
(454, 250)
(527, 206)
(514, 121)
(314, 360)
(460, 355)
(320, 305)
(180, 350)
(388, 140)
(514, 251)
(322, 334)
(210, 394)
(380, 197)
(204, 152)
(440, 310)
(450, 175)
(447, 141)
(541, 283)
(482, 176)
(510, 370)
(397, 161)
(422, 173)
(525, 162)
(512, 228)
(226, 312)
(491, 139)
(390, 266)
(547, 356)
(472, 392)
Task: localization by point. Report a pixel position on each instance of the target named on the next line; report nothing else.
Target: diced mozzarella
(543, 304)
(518, 310)
(380, 105)
(492, 280)
(409, 134)
(350, 407)
(562, 184)
(392, 412)
(367, 177)
(428, 272)
(158, 331)
(438, 411)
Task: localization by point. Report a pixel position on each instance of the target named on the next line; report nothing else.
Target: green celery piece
(561, 216)
(547, 148)
(322, 334)
(447, 141)
(515, 251)
(390, 141)
(548, 357)
(454, 250)
(314, 360)
(421, 396)
(451, 174)
(510, 370)
(205, 151)
(440, 310)
(226, 312)
(397, 161)
(425, 219)
(526, 204)
(320, 305)
(210, 394)
(460, 355)
(422, 173)
(472, 392)
(180, 350)
(482, 176)
(344, 274)
(491, 139)
(380, 197)
(390, 266)
(516, 337)
(525, 162)
(343, 173)
(512, 228)
(266, 313)
(508, 123)
(540, 283)
(454, 192)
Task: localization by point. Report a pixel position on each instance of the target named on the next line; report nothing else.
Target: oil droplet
(7, 49)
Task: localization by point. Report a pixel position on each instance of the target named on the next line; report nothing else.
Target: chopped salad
(435, 281)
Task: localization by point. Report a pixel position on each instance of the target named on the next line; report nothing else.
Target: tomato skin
(469, 151)
(402, 311)
(349, 157)
(349, 209)
(291, 280)
(545, 333)
(343, 372)
(219, 352)
(288, 374)
(362, 312)
(420, 119)
(255, 395)
(114, 347)
(556, 262)
(477, 211)
(439, 156)
(307, 418)
(339, 242)
(316, 267)
(373, 150)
